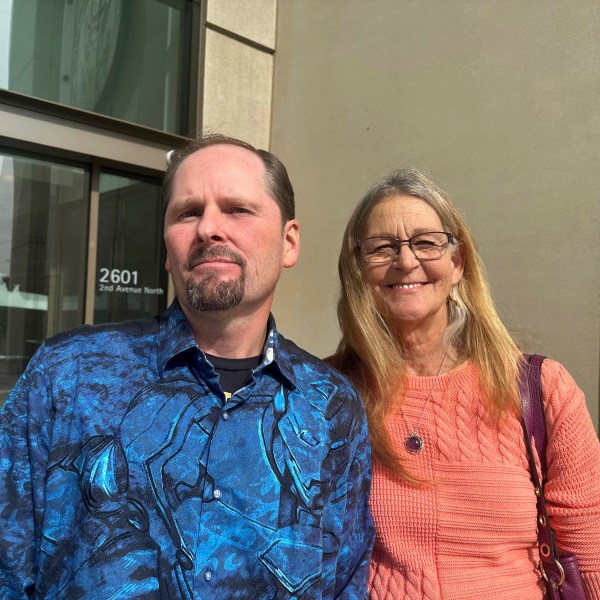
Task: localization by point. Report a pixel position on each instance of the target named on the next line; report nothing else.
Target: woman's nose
(405, 258)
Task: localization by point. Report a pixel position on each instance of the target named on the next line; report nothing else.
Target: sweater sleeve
(573, 480)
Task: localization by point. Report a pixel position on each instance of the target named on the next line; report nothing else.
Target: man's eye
(189, 214)
(240, 210)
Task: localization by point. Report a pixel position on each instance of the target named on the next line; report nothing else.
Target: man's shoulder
(93, 355)
(309, 368)
(323, 393)
(127, 332)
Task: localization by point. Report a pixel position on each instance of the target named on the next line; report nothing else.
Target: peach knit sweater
(472, 534)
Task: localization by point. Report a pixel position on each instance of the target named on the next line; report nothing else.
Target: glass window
(43, 253)
(127, 59)
(131, 281)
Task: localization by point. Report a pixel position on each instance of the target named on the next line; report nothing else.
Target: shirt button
(208, 575)
(225, 416)
(217, 494)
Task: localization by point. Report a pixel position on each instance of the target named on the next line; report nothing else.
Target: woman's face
(414, 292)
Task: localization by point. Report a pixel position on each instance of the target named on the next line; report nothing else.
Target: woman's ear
(458, 262)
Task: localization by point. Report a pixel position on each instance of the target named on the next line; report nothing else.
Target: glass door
(45, 207)
(43, 252)
(131, 281)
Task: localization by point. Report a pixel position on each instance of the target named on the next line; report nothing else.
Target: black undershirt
(234, 373)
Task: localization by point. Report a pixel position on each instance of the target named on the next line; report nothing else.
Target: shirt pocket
(294, 556)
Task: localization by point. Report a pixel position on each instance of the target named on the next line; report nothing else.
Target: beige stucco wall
(251, 19)
(236, 89)
(498, 102)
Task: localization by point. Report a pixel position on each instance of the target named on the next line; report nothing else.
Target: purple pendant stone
(414, 443)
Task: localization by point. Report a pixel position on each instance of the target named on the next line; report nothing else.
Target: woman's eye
(384, 248)
(378, 245)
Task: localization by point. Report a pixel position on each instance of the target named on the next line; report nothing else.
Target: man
(199, 454)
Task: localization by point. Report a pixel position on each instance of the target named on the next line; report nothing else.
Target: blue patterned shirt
(125, 472)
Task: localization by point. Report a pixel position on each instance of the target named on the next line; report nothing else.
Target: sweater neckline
(463, 374)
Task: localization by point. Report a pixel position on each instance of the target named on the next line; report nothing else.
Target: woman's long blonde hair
(369, 353)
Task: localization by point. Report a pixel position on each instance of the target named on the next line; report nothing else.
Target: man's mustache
(199, 254)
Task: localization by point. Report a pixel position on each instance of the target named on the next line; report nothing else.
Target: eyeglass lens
(425, 246)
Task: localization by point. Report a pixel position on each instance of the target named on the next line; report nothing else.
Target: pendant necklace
(414, 442)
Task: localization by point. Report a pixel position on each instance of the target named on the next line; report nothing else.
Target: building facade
(93, 94)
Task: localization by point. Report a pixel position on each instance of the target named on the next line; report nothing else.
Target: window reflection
(127, 59)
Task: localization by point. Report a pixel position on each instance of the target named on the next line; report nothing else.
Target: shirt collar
(276, 353)
(175, 338)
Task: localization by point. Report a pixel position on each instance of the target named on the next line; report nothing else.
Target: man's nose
(211, 225)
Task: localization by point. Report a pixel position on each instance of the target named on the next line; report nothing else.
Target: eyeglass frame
(452, 239)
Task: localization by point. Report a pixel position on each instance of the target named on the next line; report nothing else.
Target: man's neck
(231, 333)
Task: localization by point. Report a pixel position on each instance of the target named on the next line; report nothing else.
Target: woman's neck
(423, 358)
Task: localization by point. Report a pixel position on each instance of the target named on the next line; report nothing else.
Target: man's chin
(204, 305)
(211, 296)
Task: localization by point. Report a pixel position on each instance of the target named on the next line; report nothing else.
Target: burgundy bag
(560, 570)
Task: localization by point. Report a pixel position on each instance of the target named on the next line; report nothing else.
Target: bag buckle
(550, 580)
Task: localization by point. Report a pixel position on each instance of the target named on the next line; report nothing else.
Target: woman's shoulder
(556, 378)
(563, 399)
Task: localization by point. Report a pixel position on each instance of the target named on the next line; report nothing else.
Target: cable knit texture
(471, 533)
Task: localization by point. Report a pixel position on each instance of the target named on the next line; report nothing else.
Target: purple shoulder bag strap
(560, 570)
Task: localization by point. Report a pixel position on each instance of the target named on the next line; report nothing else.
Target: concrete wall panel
(237, 89)
(252, 19)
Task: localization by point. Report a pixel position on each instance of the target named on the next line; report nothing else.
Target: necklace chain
(414, 442)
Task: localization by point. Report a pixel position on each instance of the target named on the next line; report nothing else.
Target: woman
(452, 499)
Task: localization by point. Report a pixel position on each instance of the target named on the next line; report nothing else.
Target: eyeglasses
(430, 245)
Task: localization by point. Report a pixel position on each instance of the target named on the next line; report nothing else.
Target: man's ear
(291, 243)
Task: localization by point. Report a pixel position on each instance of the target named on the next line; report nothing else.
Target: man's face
(226, 244)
